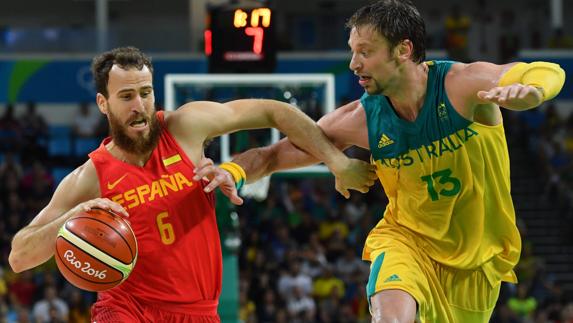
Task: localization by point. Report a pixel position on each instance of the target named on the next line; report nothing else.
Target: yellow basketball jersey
(447, 181)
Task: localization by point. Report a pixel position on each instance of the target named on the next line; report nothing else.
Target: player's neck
(126, 157)
(409, 97)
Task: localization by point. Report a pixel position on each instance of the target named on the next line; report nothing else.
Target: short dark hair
(396, 20)
(125, 57)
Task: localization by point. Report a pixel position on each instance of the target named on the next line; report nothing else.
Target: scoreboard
(240, 40)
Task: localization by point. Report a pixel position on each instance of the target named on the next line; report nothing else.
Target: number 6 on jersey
(165, 228)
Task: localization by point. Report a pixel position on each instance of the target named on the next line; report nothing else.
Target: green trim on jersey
(390, 136)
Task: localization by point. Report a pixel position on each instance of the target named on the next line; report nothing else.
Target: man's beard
(140, 145)
(376, 89)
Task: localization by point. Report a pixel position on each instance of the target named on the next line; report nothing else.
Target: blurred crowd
(550, 138)
(493, 35)
(300, 257)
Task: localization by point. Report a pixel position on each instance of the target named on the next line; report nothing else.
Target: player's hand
(355, 174)
(99, 203)
(516, 96)
(217, 177)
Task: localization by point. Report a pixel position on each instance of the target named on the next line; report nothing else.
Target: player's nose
(138, 105)
(354, 64)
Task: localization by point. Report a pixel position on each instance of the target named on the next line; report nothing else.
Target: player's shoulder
(348, 109)
(467, 79)
(85, 173)
(175, 120)
(189, 112)
(81, 185)
(473, 69)
(190, 123)
(83, 180)
(356, 110)
(349, 112)
(195, 106)
(351, 106)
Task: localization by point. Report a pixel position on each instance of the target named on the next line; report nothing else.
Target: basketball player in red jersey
(146, 169)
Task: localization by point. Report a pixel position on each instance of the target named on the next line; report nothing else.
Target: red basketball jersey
(179, 263)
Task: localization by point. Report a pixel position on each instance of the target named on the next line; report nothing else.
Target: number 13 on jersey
(442, 183)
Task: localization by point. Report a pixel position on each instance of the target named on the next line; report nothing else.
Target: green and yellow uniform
(448, 236)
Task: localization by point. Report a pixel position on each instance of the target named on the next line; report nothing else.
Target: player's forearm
(303, 132)
(34, 244)
(260, 162)
(256, 163)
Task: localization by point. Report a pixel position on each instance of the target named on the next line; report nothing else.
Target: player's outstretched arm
(35, 243)
(283, 155)
(261, 113)
(515, 86)
(344, 127)
(256, 162)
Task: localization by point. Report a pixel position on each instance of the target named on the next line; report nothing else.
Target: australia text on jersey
(448, 144)
(158, 188)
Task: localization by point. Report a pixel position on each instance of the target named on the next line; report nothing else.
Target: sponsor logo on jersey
(111, 185)
(393, 278)
(384, 141)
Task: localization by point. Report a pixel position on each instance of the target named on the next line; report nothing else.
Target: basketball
(96, 250)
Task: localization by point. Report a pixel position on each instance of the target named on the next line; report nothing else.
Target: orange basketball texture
(96, 250)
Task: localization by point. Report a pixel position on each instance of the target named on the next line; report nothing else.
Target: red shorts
(122, 308)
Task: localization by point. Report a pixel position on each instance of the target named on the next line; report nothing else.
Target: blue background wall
(70, 80)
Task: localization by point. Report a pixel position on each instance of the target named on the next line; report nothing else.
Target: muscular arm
(345, 127)
(199, 121)
(476, 93)
(35, 243)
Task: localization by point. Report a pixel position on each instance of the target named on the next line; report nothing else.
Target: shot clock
(240, 40)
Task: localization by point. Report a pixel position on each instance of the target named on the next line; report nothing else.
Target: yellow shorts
(443, 294)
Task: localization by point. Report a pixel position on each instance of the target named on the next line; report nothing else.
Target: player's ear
(404, 50)
(101, 103)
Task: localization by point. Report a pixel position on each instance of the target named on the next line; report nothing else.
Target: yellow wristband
(548, 76)
(237, 172)
(513, 75)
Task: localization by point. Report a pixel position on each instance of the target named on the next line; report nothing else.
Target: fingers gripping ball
(96, 250)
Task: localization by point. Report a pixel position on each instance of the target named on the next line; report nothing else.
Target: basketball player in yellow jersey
(448, 237)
